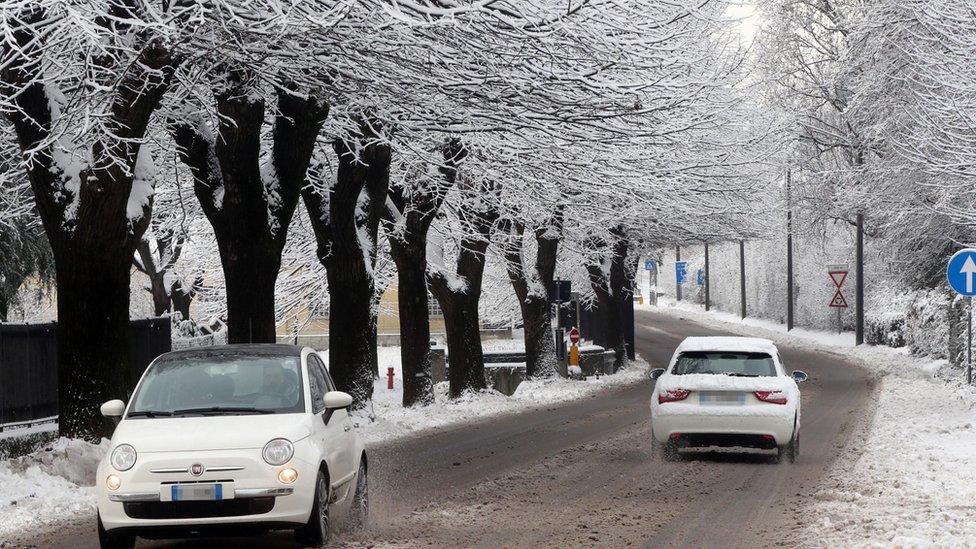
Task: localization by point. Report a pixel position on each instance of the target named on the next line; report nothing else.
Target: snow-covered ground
(56, 482)
(911, 482)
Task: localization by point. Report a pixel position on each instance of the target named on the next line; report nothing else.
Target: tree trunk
(4, 307)
(412, 304)
(93, 339)
(334, 215)
(183, 297)
(459, 297)
(250, 283)
(250, 209)
(532, 291)
(608, 312)
(540, 345)
(465, 353)
(352, 347)
(407, 218)
(620, 293)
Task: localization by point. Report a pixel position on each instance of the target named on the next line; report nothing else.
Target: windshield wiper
(737, 374)
(149, 413)
(224, 410)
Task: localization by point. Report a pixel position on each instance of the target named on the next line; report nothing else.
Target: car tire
(316, 532)
(359, 513)
(113, 540)
(669, 451)
(793, 448)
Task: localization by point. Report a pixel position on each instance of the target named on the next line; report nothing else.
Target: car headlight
(278, 451)
(123, 457)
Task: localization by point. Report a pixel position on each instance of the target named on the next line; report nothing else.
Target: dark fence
(29, 365)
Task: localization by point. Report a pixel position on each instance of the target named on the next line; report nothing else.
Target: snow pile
(51, 484)
(393, 421)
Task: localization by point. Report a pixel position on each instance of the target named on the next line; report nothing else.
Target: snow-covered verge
(910, 481)
(52, 484)
(393, 421)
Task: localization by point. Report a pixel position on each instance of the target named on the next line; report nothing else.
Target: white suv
(231, 439)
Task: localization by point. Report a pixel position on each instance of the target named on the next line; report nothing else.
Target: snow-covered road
(578, 473)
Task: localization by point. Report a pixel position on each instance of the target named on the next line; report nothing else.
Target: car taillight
(772, 397)
(672, 396)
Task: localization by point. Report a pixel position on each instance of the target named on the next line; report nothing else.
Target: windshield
(734, 364)
(220, 383)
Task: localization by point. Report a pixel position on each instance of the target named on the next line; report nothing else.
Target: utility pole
(789, 255)
(859, 289)
(708, 301)
(742, 276)
(677, 284)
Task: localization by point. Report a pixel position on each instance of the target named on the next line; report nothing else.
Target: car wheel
(793, 449)
(113, 540)
(359, 515)
(669, 451)
(316, 532)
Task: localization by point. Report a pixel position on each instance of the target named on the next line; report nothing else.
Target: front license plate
(196, 492)
(721, 398)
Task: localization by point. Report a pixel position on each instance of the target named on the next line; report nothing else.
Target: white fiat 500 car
(730, 392)
(231, 440)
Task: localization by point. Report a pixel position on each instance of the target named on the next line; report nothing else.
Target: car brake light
(772, 397)
(673, 395)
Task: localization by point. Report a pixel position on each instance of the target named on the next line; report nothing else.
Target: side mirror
(335, 400)
(656, 373)
(799, 376)
(113, 409)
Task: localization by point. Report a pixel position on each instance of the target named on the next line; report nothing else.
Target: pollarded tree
(345, 214)
(458, 288)
(250, 198)
(410, 210)
(92, 183)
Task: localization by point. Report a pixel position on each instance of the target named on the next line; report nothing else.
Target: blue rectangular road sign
(649, 265)
(681, 271)
(700, 278)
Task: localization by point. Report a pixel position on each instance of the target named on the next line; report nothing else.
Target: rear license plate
(721, 398)
(196, 492)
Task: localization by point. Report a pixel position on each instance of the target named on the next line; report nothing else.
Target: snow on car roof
(728, 343)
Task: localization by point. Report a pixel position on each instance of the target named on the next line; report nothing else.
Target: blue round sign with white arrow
(961, 272)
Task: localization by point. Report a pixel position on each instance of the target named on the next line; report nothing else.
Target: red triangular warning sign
(838, 301)
(838, 277)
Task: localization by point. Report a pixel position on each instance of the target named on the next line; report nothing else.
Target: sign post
(960, 272)
(680, 276)
(838, 274)
(651, 267)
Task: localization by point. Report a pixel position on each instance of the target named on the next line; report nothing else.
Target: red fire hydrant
(389, 378)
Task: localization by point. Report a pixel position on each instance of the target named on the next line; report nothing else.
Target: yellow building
(313, 329)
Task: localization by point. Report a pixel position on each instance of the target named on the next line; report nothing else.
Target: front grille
(162, 510)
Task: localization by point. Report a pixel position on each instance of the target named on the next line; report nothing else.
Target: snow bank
(393, 421)
(49, 485)
(909, 482)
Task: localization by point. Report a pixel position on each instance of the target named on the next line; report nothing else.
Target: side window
(328, 380)
(317, 383)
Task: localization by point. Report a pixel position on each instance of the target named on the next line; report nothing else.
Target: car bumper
(258, 499)
(729, 430)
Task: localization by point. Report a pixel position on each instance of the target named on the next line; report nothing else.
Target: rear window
(732, 364)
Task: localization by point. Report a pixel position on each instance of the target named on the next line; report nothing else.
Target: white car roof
(727, 343)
